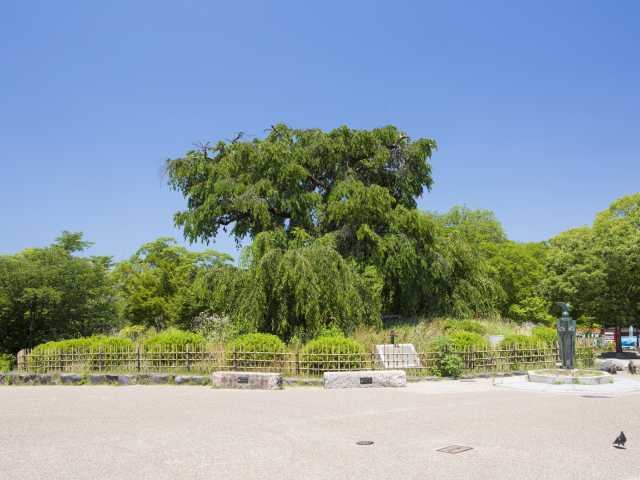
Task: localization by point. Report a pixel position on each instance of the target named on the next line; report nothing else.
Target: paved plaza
(179, 432)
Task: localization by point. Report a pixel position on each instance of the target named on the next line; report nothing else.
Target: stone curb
(191, 380)
(14, 378)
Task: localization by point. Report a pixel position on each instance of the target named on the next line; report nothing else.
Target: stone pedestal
(247, 380)
(365, 379)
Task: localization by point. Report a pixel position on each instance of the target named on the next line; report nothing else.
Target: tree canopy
(50, 293)
(355, 190)
(597, 268)
(297, 178)
(156, 284)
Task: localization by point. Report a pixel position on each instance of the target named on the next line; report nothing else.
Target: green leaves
(158, 285)
(48, 293)
(287, 180)
(598, 269)
(300, 286)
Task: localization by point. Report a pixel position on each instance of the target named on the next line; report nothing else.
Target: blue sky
(534, 104)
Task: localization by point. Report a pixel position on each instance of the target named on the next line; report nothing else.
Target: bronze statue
(566, 327)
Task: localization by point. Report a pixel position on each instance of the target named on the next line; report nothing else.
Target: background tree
(478, 226)
(598, 269)
(616, 233)
(156, 285)
(575, 273)
(519, 270)
(50, 293)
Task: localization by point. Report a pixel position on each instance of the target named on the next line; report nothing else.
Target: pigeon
(620, 440)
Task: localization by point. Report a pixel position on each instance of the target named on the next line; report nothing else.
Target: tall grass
(425, 332)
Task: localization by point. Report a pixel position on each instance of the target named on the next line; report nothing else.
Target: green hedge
(256, 351)
(173, 338)
(90, 343)
(332, 353)
(46, 356)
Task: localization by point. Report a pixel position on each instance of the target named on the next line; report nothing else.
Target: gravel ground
(178, 432)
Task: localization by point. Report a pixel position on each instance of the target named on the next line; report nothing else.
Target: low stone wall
(247, 380)
(365, 379)
(100, 379)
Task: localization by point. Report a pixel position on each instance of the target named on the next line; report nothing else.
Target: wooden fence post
(297, 361)
(138, 358)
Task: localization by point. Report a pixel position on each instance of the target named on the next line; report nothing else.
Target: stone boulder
(616, 364)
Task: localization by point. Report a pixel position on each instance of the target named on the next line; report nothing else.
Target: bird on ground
(620, 440)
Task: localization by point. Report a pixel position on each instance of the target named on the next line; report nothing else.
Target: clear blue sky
(535, 105)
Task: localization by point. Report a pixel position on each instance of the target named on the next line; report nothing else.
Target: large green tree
(52, 293)
(297, 179)
(356, 190)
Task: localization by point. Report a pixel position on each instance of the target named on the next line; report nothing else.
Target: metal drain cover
(364, 442)
(454, 449)
(596, 396)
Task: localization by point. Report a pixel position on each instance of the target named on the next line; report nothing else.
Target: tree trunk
(618, 338)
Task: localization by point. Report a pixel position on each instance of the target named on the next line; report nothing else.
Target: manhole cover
(364, 442)
(595, 396)
(453, 449)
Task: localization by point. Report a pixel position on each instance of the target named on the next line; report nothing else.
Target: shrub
(136, 333)
(526, 352)
(7, 362)
(517, 341)
(96, 342)
(172, 337)
(332, 353)
(330, 331)
(256, 351)
(97, 354)
(451, 366)
(465, 326)
(546, 335)
(215, 328)
(460, 340)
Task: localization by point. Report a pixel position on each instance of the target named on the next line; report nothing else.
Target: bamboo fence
(200, 359)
